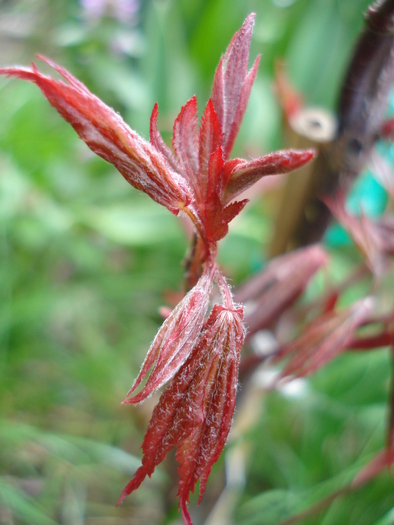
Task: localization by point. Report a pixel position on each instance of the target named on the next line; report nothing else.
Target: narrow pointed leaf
(210, 139)
(232, 210)
(163, 432)
(273, 290)
(216, 216)
(158, 142)
(241, 174)
(175, 339)
(201, 449)
(103, 130)
(215, 183)
(219, 227)
(372, 239)
(324, 339)
(232, 84)
(185, 143)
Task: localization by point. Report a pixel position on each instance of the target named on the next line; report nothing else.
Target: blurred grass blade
(22, 505)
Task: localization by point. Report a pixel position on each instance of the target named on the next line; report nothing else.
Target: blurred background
(86, 261)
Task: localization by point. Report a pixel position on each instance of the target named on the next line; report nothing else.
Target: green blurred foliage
(87, 261)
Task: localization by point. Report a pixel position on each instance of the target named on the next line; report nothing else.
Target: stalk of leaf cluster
(195, 412)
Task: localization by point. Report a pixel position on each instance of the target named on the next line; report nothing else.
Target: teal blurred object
(368, 197)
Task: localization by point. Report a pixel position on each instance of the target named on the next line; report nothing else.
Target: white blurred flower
(122, 10)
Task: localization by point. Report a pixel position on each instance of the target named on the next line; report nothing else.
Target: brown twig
(361, 109)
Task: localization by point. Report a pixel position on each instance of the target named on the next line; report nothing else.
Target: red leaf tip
(232, 84)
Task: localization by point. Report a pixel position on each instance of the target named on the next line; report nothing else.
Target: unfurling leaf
(232, 84)
(185, 141)
(361, 229)
(158, 142)
(323, 339)
(175, 339)
(278, 286)
(210, 152)
(195, 411)
(375, 239)
(103, 130)
(242, 174)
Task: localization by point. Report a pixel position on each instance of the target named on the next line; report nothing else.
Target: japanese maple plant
(196, 352)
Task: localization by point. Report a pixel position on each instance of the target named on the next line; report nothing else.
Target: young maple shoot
(198, 355)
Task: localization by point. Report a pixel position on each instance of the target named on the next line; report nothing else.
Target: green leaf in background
(22, 506)
(134, 225)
